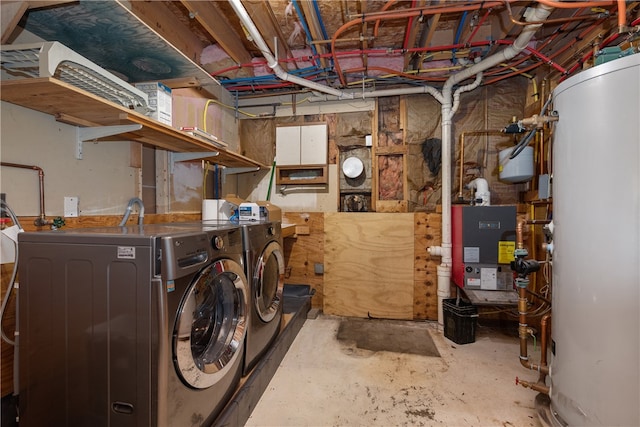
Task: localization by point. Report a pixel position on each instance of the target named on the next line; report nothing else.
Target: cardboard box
(159, 99)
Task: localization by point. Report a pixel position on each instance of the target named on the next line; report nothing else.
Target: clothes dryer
(264, 267)
(130, 326)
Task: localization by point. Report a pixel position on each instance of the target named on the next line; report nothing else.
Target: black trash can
(460, 321)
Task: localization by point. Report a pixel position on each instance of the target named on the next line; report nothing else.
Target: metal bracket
(188, 156)
(94, 133)
(185, 157)
(233, 171)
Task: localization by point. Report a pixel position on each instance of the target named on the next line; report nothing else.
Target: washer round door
(268, 282)
(211, 324)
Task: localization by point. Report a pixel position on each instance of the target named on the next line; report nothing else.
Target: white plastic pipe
(273, 62)
(449, 107)
(481, 187)
(450, 101)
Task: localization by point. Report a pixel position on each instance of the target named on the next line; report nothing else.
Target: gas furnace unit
(483, 240)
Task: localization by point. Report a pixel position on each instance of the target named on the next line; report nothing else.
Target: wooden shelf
(71, 105)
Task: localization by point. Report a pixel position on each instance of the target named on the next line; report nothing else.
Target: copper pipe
(524, 331)
(537, 386)
(520, 234)
(544, 330)
(41, 220)
(576, 4)
(622, 16)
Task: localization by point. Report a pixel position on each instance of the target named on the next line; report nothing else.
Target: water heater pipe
(540, 386)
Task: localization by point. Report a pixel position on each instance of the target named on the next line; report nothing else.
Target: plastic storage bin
(460, 321)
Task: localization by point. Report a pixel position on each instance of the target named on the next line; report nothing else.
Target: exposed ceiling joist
(411, 37)
(267, 24)
(217, 25)
(314, 27)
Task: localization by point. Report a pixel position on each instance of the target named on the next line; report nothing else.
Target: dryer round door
(268, 282)
(211, 324)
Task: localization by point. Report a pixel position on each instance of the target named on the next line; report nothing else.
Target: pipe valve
(524, 267)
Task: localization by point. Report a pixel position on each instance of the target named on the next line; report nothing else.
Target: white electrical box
(71, 207)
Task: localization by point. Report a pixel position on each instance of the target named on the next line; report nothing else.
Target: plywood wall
(347, 238)
(369, 265)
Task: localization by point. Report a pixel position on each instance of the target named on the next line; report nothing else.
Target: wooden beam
(164, 22)
(426, 37)
(412, 37)
(314, 27)
(263, 17)
(217, 25)
(503, 28)
(364, 44)
(580, 48)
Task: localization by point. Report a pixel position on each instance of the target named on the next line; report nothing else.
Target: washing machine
(264, 267)
(130, 326)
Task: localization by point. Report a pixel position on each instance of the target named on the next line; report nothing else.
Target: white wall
(102, 180)
(300, 198)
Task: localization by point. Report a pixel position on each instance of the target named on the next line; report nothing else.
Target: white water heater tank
(595, 368)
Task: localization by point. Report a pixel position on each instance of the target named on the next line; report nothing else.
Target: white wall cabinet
(301, 145)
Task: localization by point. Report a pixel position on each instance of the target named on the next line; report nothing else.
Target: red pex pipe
(397, 15)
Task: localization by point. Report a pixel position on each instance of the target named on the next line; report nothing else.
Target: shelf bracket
(185, 157)
(84, 134)
(233, 171)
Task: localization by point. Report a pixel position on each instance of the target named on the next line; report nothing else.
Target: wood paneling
(303, 251)
(427, 232)
(369, 265)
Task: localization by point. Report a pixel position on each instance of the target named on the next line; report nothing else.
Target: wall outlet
(70, 206)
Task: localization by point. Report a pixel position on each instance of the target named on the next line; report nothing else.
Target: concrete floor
(325, 382)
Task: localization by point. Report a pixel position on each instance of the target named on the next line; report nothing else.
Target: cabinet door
(288, 145)
(313, 144)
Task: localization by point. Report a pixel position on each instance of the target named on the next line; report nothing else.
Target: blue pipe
(270, 78)
(305, 28)
(216, 194)
(299, 72)
(319, 15)
(454, 60)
